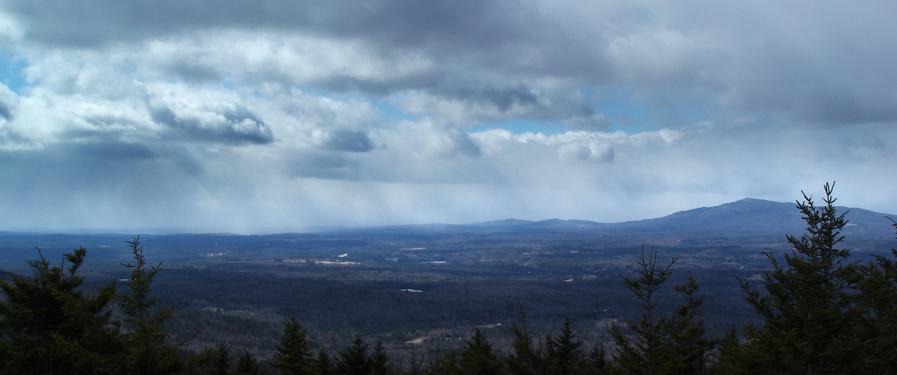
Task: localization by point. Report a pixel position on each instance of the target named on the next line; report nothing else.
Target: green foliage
(49, 326)
(478, 357)
(661, 345)
(211, 361)
(598, 364)
(805, 307)
(523, 360)
(445, 364)
(379, 363)
(323, 363)
(565, 352)
(688, 347)
(148, 352)
(732, 356)
(293, 356)
(354, 359)
(876, 307)
(247, 365)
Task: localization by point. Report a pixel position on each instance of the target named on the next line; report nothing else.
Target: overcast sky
(260, 116)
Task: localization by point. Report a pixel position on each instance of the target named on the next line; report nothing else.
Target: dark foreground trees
(49, 326)
(147, 345)
(673, 344)
(820, 312)
(293, 356)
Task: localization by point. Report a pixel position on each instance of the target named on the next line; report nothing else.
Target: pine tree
(566, 352)
(211, 361)
(732, 357)
(478, 357)
(148, 353)
(323, 363)
(877, 307)
(598, 364)
(645, 353)
(293, 356)
(379, 362)
(659, 344)
(688, 346)
(522, 360)
(806, 327)
(445, 364)
(247, 365)
(51, 327)
(353, 360)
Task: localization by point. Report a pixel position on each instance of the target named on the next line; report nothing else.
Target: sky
(268, 116)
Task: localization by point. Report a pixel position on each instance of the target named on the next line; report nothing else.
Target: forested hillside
(819, 310)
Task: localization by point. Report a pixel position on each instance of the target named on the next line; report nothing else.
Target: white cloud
(252, 118)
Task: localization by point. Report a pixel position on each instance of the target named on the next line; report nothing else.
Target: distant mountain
(751, 215)
(746, 216)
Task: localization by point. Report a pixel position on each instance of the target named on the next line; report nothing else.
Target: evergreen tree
(293, 356)
(445, 364)
(247, 365)
(598, 364)
(212, 361)
(806, 326)
(732, 357)
(379, 362)
(877, 307)
(645, 353)
(661, 345)
(566, 352)
(478, 357)
(522, 360)
(353, 360)
(323, 363)
(148, 353)
(49, 326)
(688, 346)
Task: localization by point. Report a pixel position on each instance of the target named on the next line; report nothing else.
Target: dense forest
(820, 311)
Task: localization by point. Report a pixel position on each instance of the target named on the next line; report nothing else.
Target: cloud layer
(282, 115)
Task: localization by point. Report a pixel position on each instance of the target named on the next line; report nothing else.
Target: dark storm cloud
(406, 22)
(479, 45)
(235, 126)
(8, 103)
(324, 165)
(114, 151)
(348, 140)
(5, 111)
(464, 145)
(820, 67)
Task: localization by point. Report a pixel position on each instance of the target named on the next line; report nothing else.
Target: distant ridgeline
(818, 310)
(747, 218)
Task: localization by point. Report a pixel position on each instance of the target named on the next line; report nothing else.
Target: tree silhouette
(478, 357)
(49, 326)
(877, 308)
(379, 362)
(293, 356)
(658, 344)
(353, 360)
(147, 350)
(522, 360)
(565, 352)
(323, 363)
(804, 305)
(645, 352)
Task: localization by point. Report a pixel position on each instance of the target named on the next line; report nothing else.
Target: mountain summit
(748, 216)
